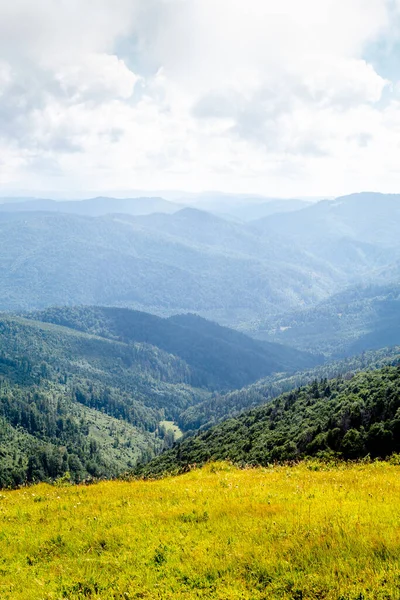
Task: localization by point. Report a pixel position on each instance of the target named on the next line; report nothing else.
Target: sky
(281, 98)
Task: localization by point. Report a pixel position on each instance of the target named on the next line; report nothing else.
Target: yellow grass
(283, 533)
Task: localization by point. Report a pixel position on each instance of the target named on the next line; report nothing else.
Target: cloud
(234, 94)
(96, 77)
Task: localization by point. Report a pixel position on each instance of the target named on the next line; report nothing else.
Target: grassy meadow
(302, 532)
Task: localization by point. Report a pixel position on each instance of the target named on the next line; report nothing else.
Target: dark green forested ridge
(218, 407)
(90, 395)
(75, 402)
(218, 357)
(95, 397)
(350, 418)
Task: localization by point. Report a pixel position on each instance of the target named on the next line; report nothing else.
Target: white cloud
(98, 77)
(260, 95)
(344, 82)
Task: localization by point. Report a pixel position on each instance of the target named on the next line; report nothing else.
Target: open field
(304, 532)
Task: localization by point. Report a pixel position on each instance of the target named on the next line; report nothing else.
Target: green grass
(171, 426)
(305, 532)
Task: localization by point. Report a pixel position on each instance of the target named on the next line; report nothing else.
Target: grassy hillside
(218, 533)
(350, 418)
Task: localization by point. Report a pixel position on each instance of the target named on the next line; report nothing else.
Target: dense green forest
(218, 357)
(218, 407)
(92, 391)
(348, 418)
(75, 402)
(92, 398)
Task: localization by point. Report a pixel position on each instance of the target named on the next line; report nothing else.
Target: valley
(199, 300)
(92, 387)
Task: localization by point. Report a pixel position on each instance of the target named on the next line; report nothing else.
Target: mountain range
(239, 274)
(107, 355)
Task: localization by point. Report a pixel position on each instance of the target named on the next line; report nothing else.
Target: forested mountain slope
(357, 319)
(77, 402)
(190, 261)
(219, 407)
(218, 357)
(93, 397)
(49, 259)
(348, 418)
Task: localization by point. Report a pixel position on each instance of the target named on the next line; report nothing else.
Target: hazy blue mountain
(236, 204)
(16, 199)
(357, 319)
(254, 211)
(231, 275)
(239, 274)
(338, 258)
(93, 207)
(370, 218)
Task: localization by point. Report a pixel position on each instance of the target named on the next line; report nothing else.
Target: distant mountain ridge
(190, 260)
(357, 319)
(93, 207)
(367, 217)
(56, 259)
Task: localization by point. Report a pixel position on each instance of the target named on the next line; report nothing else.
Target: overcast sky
(279, 97)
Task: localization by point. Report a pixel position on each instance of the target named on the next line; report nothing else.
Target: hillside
(217, 356)
(238, 274)
(350, 418)
(56, 259)
(213, 534)
(100, 388)
(219, 407)
(357, 319)
(72, 401)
